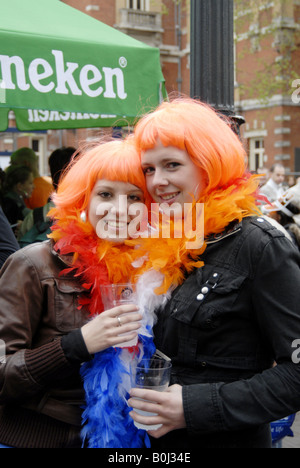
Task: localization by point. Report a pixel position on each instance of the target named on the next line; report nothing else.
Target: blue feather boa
(107, 379)
(106, 419)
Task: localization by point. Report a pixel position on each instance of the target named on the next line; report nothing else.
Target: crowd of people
(283, 201)
(224, 311)
(25, 196)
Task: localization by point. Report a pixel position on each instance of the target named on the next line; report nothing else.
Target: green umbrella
(60, 68)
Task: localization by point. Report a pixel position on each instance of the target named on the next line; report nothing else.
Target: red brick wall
(106, 12)
(169, 68)
(257, 75)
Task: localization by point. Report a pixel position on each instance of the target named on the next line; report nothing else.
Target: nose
(119, 207)
(159, 179)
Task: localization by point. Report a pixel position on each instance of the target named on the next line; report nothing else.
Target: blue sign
(282, 428)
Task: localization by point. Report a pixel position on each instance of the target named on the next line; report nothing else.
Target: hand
(103, 331)
(167, 405)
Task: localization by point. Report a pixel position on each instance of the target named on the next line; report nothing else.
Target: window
(35, 145)
(138, 5)
(39, 144)
(256, 156)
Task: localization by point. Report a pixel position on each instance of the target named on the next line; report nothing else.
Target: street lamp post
(212, 56)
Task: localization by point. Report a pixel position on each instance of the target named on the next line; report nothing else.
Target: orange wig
(229, 191)
(115, 160)
(195, 127)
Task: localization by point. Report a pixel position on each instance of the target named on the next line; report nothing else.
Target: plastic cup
(114, 295)
(152, 374)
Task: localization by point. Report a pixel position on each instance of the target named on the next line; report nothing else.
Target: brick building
(267, 72)
(267, 56)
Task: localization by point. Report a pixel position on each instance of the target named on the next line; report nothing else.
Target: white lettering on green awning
(60, 75)
(35, 115)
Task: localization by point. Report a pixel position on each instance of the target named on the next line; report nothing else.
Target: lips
(116, 224)
(168, 197)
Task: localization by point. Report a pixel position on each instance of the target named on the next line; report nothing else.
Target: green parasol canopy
(60, 68)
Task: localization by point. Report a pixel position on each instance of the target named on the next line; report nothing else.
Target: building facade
(267, 74)
(267, 84)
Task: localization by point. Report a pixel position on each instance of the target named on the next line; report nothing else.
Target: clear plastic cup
(152, 374)
(114, 295)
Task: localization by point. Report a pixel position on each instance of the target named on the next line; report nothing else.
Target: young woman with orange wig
(53, 323)
(237, 312)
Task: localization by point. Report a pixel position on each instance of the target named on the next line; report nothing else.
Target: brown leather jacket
(39, 386)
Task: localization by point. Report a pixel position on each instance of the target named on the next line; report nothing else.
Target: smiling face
(111, 209)
(171, 175)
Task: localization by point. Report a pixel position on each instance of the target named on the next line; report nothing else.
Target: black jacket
(224, 328)
(8, 242)
(14, 207)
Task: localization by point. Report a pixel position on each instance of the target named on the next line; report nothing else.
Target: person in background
(58, 160)
(295, 189)
(18, 186)
(8, 243)
(274, 188)
(237, 312)
(42, 186)
(285, 212)
(264, 175)
(2, 180)
(291, 181)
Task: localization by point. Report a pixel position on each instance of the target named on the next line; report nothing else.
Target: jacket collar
(66, 259)
(233, 228)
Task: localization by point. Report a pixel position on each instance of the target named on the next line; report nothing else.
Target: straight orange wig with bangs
(195, 127)
(115, 160)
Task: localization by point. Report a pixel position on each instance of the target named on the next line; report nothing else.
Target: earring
(83, 216)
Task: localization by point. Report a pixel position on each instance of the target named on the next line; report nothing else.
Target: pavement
(293, 442)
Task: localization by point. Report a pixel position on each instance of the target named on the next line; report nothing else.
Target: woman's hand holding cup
(104, 330)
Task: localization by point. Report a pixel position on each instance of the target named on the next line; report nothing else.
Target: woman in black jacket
(235, 316)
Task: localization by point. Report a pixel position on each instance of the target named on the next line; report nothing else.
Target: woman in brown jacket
(46, 303)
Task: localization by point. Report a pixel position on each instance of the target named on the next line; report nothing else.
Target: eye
(135, 198)
(104, 194)
(148, 170)
(172, 165)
